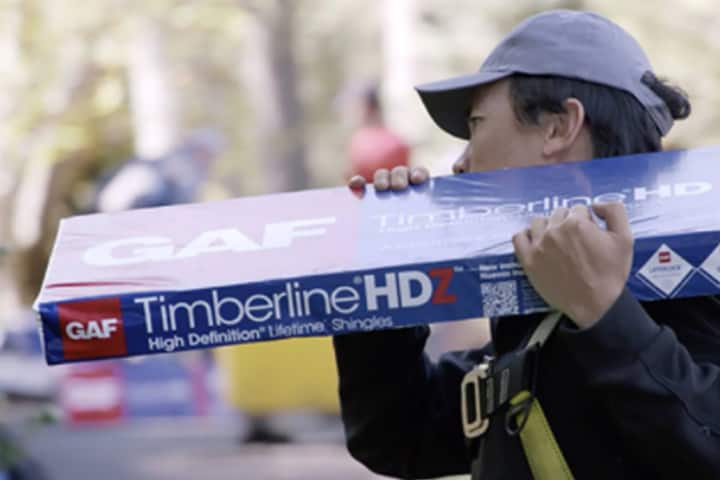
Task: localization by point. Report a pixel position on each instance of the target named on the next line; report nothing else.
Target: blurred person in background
(373, 145)
(287, 389)
(174, 178)
(628, 389)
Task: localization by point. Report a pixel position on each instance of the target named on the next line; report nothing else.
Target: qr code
(499, 298)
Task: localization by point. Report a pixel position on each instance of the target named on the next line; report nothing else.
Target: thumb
(615, 217)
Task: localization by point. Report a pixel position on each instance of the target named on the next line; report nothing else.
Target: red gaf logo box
(92, 329)
(664, 257)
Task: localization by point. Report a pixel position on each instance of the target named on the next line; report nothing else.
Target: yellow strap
(541, 450)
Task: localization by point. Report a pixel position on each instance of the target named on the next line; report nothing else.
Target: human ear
(562, 130)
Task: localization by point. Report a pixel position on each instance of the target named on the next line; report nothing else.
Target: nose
(461, 164)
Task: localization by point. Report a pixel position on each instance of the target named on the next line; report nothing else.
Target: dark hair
(618, 123)
(371, 97)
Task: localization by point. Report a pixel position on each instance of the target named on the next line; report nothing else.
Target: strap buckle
(512, 377)
(475, 421)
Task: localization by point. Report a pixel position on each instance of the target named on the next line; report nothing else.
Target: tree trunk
(402, 108)
(10, 79)
(153, 99)
(271, 76)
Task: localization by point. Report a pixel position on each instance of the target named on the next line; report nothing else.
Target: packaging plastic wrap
(331, 261)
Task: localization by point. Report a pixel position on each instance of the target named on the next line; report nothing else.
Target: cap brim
(448, 101)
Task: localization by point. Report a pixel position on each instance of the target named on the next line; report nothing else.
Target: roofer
(629, 390)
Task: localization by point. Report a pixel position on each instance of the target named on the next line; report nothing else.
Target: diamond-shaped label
(666, 269)
(711, 265)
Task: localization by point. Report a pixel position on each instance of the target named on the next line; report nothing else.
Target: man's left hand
(576, 266)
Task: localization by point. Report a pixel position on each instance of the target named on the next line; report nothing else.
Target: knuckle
(552, 238)
(528, 261)
(580, 211)
(616, 209)
(572, 224)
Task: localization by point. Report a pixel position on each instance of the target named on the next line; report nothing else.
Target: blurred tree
(53, 130)
(153, 98)
(399, 26)
(271, 77)
(11, 74)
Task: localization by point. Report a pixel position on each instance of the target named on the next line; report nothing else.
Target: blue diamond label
(665, 270)
(711, 265)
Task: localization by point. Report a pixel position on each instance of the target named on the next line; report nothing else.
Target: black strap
(477, 464)
(510, 374)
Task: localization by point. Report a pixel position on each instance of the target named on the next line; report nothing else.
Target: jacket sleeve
(659, 384)
(401, 412)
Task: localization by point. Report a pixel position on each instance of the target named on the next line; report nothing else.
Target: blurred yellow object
(283, 375)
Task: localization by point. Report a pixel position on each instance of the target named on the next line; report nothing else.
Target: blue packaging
(333, 261)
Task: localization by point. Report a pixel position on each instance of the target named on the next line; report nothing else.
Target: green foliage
(9, 453)
(73, 67)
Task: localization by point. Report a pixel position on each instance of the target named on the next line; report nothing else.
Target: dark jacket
(635, 396)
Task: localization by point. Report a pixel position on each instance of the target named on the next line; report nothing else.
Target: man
(629, 390)
(373, 146)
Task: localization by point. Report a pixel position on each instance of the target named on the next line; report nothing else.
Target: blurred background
(114, 104)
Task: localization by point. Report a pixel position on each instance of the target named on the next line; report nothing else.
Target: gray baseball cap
(565, 43)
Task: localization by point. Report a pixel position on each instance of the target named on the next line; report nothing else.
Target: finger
(538, 225)
(615, 217)
(381, 179)
(357, 182)
(581, 212)
(522, 244)
(419, 175)
(557, 217)
(399, 178)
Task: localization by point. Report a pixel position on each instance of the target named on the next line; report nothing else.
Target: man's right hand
(396, 179)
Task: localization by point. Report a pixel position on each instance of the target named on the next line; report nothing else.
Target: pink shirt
(375, 147)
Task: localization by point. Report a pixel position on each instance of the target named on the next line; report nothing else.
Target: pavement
(177, 449)
(173, 449)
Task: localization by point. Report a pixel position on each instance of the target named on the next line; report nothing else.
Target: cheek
(525, 151)
(516, 146)
(488, 151)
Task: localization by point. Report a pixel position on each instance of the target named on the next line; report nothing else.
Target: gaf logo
(92, 329)
(136, 250)
(664, 257)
